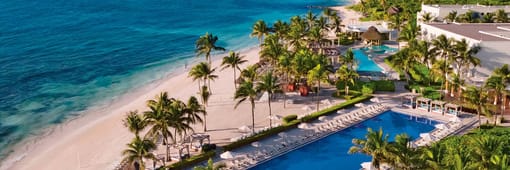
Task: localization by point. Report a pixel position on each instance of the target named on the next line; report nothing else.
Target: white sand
(95, 141)
(348, 16)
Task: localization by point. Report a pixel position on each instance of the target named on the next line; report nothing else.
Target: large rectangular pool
(331, 152)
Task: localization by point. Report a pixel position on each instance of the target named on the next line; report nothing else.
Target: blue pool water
(58, 58)
(331, 152)
(365, 63)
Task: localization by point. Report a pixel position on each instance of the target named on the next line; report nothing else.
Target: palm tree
(269, 84)
(444, 46)
(406, 60)
(317, 74)
(259, 30)
(138, 150)
(204, 96)
(402, 156)
(310, 19)
(465, 55)
(426, 17)
(157, 119)
(247, 91)
(452, 16)
(280, 29)
(250, 73)
(284, 67)
(272, 49)
(206, 44)
(179, 119)
(483, 149)
(210, 166)
(426, 53)
(477, 97)
(488, 18)
(498, 86)
(233, 60)
(347, 76)
(204, 71)
(315, 36)
(348, 59)
(432, 156)
(135, 122)
(194, 109)
(500, 162)
(375, 144)
(501, 16)
(468, 17)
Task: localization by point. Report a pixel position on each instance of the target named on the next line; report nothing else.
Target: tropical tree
(426, 17)
(284, 67)
(206, 44)
(317, 74)
(468, 17)
(259, 30)
(347, 76)
(157, 119)
(194, 110)
(375, 144)
(315, 36)
(498, 87)
(483, 149)
(500, 162)
(280, 29)
(204, 71)
(406, 60)
(204, 96)
(138, 150)
(432, 156)
(179, 119)
(247, 91)
(452, 16)
(210, 166)
(135, 122)
(297, 32)
(233, 60)
(310, 19)
(272, 49)
(348, 59)
(501, 16)
(477, 97)
(268, 84)
(250, 73)
(444, 46)
(401, 155)
(488, 17)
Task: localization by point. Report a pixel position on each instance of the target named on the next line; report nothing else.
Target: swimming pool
(365, 62)
(331, 152)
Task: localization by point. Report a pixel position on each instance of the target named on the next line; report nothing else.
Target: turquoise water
(59, 58)
(331, 152)
(364, 57)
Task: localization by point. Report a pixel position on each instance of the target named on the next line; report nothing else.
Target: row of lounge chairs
(438, 134)
(319, 131)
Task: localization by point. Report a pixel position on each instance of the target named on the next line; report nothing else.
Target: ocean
(60, 58)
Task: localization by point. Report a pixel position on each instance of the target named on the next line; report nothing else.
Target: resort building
(439, 12)
(381, 27)
(493, 38)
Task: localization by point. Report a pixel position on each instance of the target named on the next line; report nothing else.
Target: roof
(438, 102)
(371, 34)
(478, 31)
(451, 105)
(423, 99)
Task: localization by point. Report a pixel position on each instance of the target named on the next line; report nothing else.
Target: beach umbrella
(440, 126)
(255, 144)
(454, 119)
(275, 117)
(304, 126)
(323, 118)
(227, 155)
(244, 128)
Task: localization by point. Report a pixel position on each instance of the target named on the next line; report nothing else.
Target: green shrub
(289, 118)
(368, 88)
(208, 147)
(192, 160)
(384, 85)
(341, 94)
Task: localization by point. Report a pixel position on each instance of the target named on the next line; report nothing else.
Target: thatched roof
(371, 34)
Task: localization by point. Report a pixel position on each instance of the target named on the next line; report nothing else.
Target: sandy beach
(95, 140)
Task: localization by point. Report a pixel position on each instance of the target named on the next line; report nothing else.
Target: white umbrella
(275, 117)
(244, 128)
(323, 118)
(440, 126)
(304, 126)
(367, 165)
(255, 144)
(227, 155)
(454, 119)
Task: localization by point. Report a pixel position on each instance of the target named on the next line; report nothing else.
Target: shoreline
(67, 137)
(94, 114)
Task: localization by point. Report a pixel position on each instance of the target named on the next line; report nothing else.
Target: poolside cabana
(423, 103)
(452, 109)
(409, 101)
(437, 106)
(371, 35)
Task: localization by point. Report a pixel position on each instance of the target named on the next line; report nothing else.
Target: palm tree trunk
(270, 114)
(479, 120)
(205, 122)
(235, 85)
(317, 96)
(252, 115)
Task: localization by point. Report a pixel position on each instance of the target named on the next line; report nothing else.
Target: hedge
(261, 135)
(332, 109)
(384, 85)
(292, 124)
(192, 160)
(289, 118)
